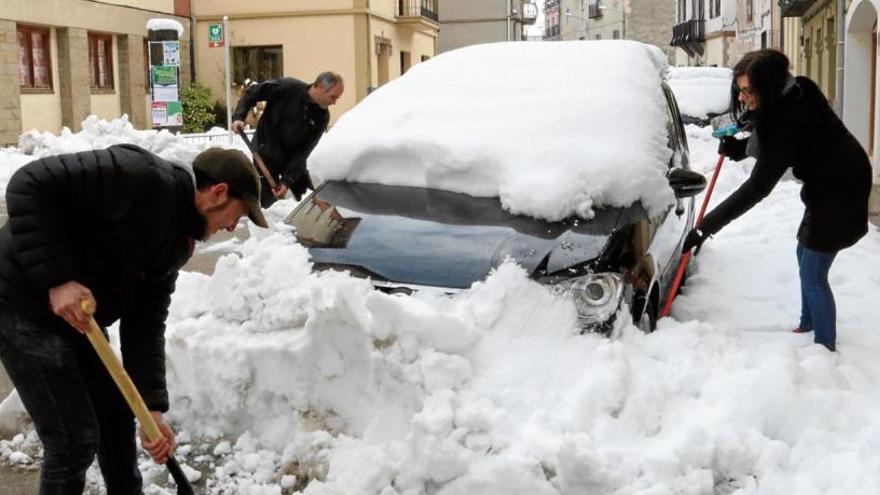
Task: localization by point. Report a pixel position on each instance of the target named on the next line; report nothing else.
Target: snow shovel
(128, 390)
(686, 258)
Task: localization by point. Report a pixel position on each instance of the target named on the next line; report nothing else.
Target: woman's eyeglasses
(746, 90)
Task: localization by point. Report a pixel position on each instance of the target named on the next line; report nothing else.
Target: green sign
(215, 35)
(164, 75)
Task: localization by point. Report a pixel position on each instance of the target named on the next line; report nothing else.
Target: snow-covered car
(702, 93)
(592, 196)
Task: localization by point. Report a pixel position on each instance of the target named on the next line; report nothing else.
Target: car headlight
(597, 296)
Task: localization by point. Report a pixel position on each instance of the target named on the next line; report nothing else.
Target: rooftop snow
(552, 129)
(700, 91)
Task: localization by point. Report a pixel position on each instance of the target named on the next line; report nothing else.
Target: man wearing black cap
(112, 226)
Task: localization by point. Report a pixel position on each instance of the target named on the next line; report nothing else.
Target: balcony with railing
(594, 11)
(689, 36)
(417, 9)
(795, 8)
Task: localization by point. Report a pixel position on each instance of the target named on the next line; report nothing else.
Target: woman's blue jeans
(818, 312)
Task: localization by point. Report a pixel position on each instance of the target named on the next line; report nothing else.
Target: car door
(675, 222)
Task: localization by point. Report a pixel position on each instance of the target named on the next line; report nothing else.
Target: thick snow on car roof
(552, 129)
(701, 91)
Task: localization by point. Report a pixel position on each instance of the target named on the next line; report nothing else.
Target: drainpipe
(841, 38)
(509, 16)
(192, 49)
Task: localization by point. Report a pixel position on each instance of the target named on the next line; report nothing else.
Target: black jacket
(289, 129)
(120, 221)
(807, 136)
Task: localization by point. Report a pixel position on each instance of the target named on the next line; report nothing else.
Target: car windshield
(328, 217)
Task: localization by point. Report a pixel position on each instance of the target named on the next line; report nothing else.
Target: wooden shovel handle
(120, 376)
(259, 160)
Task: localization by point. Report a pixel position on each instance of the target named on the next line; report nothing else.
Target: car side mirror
(686, 183)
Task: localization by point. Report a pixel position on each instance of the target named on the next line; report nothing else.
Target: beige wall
(298, 37)
(219, 8)
(402, 39)
(80, 14)
(158, 5)
(343, 36)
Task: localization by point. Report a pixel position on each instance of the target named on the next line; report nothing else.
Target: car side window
(675, 129)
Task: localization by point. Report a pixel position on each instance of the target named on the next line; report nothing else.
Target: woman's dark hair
(767, 71)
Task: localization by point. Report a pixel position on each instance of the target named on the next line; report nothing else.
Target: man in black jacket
(293, 122)
(112, 226)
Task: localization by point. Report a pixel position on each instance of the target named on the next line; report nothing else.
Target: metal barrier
(222, 138)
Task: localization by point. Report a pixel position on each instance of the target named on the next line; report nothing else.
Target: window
(714, 8)
(405, 62)
(257, 63)
(616, 34)
(101, 61)
(34, 60)
(750, 9)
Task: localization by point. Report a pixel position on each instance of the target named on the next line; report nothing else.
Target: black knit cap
(235, 169)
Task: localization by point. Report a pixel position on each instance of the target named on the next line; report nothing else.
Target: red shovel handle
(686, 257)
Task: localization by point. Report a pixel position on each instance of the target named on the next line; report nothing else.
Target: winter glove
(694, 239)
(733, 148)
(299, 186)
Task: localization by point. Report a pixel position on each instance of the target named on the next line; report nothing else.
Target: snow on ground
(701, 91)
(465, 121)
(283, 380)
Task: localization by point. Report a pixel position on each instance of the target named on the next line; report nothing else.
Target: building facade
(465, 22)
(758, 25)
(640, 20)
(63, 60)
(705, 32)
(648, 21)
(860, 83)
(368, 42)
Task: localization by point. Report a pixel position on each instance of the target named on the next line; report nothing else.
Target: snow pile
(553, 129)
(98, 134)
(701, 91)
(160, 24)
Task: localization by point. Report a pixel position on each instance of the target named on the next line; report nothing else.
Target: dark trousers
(76, 408)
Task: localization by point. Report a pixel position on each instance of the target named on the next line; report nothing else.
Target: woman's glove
(694, 239)
(733, 148)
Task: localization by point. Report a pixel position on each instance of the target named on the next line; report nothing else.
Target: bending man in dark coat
(293, 122)
(112, 226)
(795, 127)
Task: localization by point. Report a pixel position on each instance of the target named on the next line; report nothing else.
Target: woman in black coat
(793, 126)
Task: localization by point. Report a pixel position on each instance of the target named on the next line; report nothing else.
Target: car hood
(428, 237)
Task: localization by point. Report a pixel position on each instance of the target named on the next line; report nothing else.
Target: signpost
(215, 35)
(164, 51)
